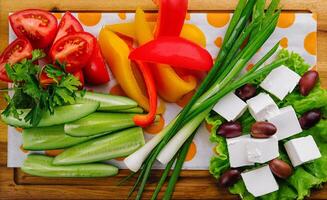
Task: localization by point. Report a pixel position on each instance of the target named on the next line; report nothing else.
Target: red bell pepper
(146, 120)
(171, 17)
(174, 51)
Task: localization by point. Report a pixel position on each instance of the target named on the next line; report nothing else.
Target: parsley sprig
(29, 93)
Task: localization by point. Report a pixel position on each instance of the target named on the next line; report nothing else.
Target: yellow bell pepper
(126, 29)
(171, 87)
(116, 52)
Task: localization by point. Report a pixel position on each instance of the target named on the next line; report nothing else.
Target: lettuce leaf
(295, 62)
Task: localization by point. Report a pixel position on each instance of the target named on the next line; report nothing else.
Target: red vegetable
(171, 17)
(68, 24)
(146, 120)
(38, 26)
(16, 51)
(96, 73)
(174, 51)
(75, 50)
(45, 80)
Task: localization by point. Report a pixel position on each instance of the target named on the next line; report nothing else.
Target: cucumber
(99, 122)
(107, 147)
(61, 115)
(47, 138)
(41, 165)
(138, 110)
(110, 102)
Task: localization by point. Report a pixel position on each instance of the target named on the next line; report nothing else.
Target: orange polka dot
(218, 19)
(89, 19)
(219, 42)
(191, 152)
(156, 127)
(19, 129)
(286, 20)
(315, 16)
(22, 149)
(57, 15)
(249, 67)
(54, 152)
(310, 43)
(151, 17)
(182, 102)
(245, 42)
(284, 42)
(122, 15)
(188, 16)
(120, 158)
(117, 90)
(208, 127)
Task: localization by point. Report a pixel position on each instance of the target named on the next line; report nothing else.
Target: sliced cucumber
(115, 145)
(99, 122)
(40, 165)
(130, 110)
(110, 102)
(52, 137)
(62, 114)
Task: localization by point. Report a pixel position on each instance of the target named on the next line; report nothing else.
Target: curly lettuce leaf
(240, 189)
(294, 61)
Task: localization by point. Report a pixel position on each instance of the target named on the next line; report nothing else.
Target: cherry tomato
(16, 51)
(75, 50)
(96, 73)
(68, 24)
(45, 80)
(38, 26)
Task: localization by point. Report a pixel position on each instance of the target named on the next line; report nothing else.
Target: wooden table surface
(14, 184)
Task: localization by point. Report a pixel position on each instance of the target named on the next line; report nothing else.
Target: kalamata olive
(246, 92)
(280, 168)
(230, 129)
(229, 178)
(263, 129)
(308, 81)
(309, 119)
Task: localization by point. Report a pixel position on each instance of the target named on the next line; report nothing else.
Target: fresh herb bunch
(29, 93)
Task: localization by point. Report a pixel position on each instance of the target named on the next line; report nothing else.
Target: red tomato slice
(68, 24)
(45, 80)
(79, 75)
(96, 73)
(75, 50)
(38, 26)
(16, 51)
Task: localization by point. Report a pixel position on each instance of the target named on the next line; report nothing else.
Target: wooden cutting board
(14, 184)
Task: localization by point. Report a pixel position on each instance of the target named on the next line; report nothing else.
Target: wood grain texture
(14, 184)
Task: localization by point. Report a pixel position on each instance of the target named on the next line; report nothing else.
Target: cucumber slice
(47, 138)
(110, 102)
(62, 114)
(40, 165)
(99, 122)
(103, 148)
(138, 110)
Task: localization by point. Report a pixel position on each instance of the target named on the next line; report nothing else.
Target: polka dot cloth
(297, 32)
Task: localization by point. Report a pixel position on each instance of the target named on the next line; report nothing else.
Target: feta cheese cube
(237, 151)
(280, 82)
(262, 150)
(286, 122)
(260, 181)
(230, 107)
(262, 107)
(302, 150)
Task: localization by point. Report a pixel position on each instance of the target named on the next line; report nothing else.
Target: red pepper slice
(174, 51)
(171, 17)
(146, 120)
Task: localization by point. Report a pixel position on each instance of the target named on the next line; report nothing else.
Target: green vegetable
(294, 61)
(99, 122)
(115, 145)
(130, 110)
(40, 165)
(61, 115)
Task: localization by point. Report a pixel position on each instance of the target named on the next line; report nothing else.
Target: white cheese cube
(262, 150)
(280, 82)
(230, 107)
(262, 107)
(260, 181)
(237, 151)
(302, 150)
(286, 122)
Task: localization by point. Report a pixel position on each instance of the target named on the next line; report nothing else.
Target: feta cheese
(286, 122)
(262, 150)
(302, 150)
(280, 82)
(237, 151)
(230, 107)
(260, 181)
(262, 107)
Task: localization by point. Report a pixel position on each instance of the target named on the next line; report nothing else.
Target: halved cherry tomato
(96, 73)
(68, 24)
(75, 50)
(38, 26)
(16, 51)
(45, 80)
